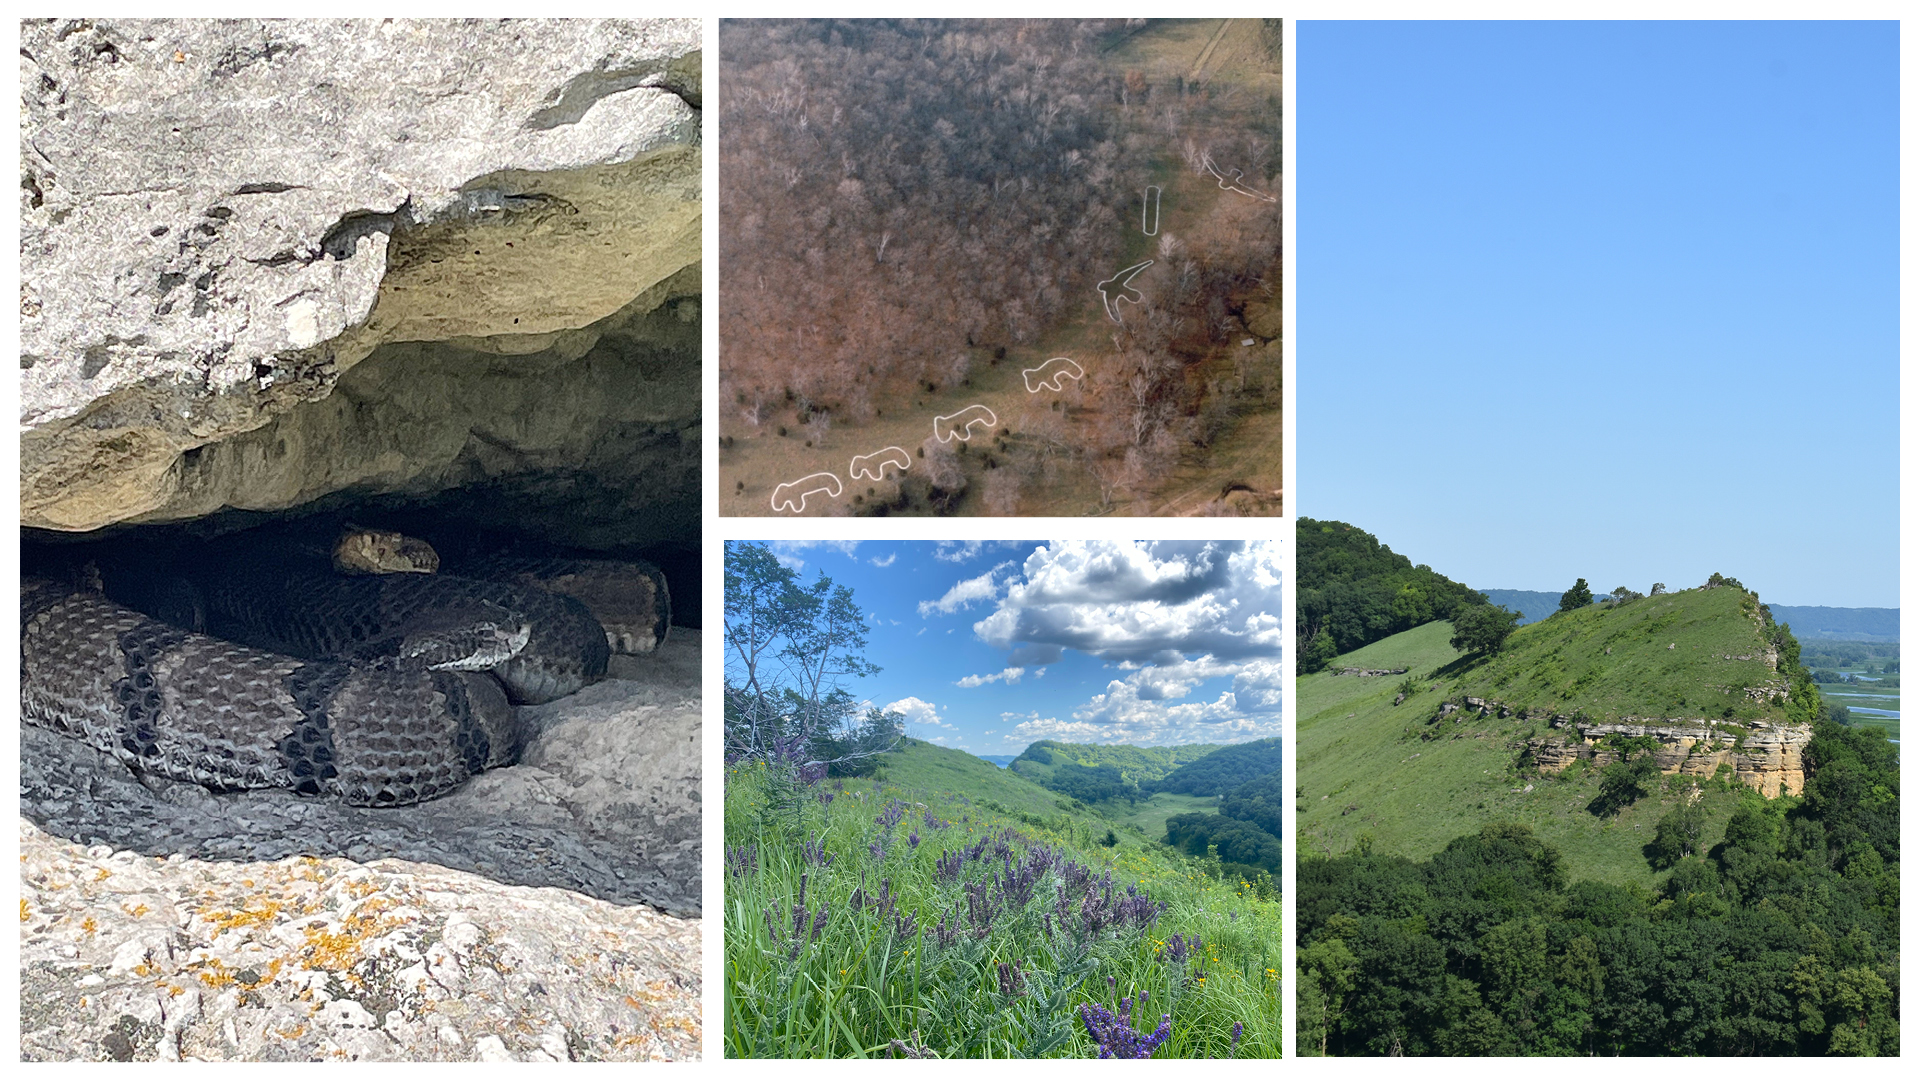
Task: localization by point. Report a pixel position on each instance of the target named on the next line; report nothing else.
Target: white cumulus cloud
(924, 713)
(1009, 675)
(1182, 619)
(965, 593)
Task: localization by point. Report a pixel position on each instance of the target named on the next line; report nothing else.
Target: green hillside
(1365, 769)
(925, 767)
(1140, 764)
(1223, 770)
(1691, 654)
(952, 907)
(1354, 590)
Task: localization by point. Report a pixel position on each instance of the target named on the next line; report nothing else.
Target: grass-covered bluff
(1408, 778)
(1712, 654)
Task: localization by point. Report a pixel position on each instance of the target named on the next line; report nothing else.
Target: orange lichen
(266, 915)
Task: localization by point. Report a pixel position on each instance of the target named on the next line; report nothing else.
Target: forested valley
(914, 213)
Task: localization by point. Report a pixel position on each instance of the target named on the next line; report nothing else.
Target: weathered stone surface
(604, 802)
(617, 402)
(134, 958)
(1766, 757)
(220, 218)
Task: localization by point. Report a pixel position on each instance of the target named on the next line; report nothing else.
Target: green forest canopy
(1353, 590)
(1221, 771)
(1782, 940)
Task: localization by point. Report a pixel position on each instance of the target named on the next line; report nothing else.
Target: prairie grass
(866, 919)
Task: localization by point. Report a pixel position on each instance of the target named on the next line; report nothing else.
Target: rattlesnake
(368, 688)
(174, 703)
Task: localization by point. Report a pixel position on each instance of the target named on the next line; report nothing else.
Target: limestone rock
(324, 959)
(221, 217)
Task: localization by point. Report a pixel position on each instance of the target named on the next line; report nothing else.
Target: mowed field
(1364, 770)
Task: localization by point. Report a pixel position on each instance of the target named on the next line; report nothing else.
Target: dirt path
(1200, 65)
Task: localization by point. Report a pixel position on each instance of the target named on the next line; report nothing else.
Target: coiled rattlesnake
(379, 690)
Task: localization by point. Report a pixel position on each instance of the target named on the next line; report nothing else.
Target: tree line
(1353, 590)
(1780, 939)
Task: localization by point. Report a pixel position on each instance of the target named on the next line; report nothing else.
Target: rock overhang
(222, 218)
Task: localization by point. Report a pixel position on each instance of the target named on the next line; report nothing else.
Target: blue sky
(989, 646)
(1613, 300)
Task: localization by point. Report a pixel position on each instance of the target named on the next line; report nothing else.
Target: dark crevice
(341, 240)
(681, 78)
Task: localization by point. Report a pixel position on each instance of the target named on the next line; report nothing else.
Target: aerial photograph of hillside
(1003, 799)
(1000, 266)
(1597, 655)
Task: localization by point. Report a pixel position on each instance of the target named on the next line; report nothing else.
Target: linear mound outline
(1236, 185)
(1056, 381)
(976, 414)
(1155, 189)
(892, 455)
(785, 492)
(1121, 290)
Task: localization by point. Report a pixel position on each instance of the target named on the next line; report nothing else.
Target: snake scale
(186, 706)
(379, 690)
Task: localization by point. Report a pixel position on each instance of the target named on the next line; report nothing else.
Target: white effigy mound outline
(1057, 380)
(785, 492)
(1155, 189)
(871, 465)
(1121, 290)
(1236, 185)
(977, 414)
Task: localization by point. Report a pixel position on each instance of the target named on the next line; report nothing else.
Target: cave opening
(577, 445)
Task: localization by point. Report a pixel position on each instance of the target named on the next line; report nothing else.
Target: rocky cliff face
(220, 219)
(1765, 757)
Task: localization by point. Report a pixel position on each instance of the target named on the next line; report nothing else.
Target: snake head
(379, 551)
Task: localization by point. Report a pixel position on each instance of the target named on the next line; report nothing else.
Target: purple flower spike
(1115, 1035)
(913, 840)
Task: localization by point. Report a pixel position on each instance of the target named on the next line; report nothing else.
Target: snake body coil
(227, 716)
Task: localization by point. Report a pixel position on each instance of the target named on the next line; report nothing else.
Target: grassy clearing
(1364, 771)
(1150, 815)
(871, 977)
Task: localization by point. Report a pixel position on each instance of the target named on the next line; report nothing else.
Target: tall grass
(865, 920)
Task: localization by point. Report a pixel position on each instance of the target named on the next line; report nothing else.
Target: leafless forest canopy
(902, 198)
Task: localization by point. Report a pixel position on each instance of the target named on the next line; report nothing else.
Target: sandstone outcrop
(221, 218)
(1765, 756)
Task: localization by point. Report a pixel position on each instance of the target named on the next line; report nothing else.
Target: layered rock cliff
(221, 218)
(1764, 756)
